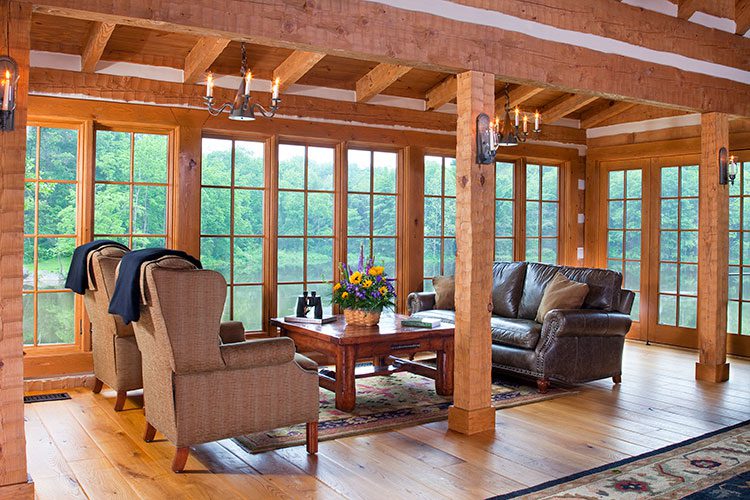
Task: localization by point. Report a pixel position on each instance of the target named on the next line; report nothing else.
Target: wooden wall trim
(411, 250)
(186, 190)
(13, 160)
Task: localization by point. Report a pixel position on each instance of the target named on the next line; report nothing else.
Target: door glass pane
(739, 253)
(542, 212)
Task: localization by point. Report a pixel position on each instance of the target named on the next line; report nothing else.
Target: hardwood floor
(83, 448)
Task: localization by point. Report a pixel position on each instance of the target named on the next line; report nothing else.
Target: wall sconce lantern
(8, 87)
(728, 167)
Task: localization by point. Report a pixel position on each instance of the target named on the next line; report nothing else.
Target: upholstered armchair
(198, 390)
(117, 360)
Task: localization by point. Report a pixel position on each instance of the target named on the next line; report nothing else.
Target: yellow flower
(344, 295)
(355, 278)
(336, 286)
(383, 290)
(376, 270)
(367, 283)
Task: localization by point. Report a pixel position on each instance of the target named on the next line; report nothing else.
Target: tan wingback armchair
(198, 390)
(117, 360)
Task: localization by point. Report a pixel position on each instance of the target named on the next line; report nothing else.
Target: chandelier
(513, 130)
(242, 108)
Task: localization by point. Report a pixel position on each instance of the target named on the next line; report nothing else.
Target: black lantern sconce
(8, 87)
(728, 167)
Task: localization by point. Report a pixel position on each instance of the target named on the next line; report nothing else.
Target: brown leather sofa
(571, 346)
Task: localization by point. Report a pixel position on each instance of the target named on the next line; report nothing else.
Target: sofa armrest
(627, 298)
(420, 301)
(585, 323)
(232, 332)
(260, 352)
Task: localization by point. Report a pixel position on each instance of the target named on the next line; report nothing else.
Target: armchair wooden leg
(98, 386)
(150, 433)
(180, 459)
(542, 385)
(120, 402)
(312, 437)
(617, 379)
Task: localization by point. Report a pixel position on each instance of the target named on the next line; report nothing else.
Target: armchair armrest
(585, 323)
(420, 301)
(260, 352)
(232, 332)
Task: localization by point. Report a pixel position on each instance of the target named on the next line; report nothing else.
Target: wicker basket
(361, 317)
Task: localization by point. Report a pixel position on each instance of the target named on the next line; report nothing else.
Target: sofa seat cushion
(441, 314)
(523, 333)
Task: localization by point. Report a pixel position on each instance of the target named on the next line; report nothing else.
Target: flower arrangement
(367, 289)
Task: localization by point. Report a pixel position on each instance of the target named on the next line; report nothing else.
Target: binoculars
(306, 301)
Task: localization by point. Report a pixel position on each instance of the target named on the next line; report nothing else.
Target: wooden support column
(472, 410)
(15, 20)
(186, 190)
(411, 249)
(713, 253)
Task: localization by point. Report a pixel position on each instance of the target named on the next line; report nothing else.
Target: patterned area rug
(399, 400)
(714, 465)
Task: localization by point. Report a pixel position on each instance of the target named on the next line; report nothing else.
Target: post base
(471, 421)
(712, 373)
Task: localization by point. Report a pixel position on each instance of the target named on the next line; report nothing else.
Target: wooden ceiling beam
(596, 116)
(442, 93)
(718, 8)
(564, 106)
(742, 16)
(518, 95)
(295, 67)
(380, 78)
(95, 44)
(203, 54)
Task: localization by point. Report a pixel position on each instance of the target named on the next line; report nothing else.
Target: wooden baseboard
(471, 421)
(712, 373)
(40, 364)
(57, 383)
(18, 491)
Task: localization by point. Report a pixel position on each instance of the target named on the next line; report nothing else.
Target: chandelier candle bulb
(536, 121)
(210, 85)
(525, 123)
(248, 79)
(275, 89)
(517, 111)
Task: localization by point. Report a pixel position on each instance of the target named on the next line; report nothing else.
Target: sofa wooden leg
(98, 384)
(149, 433)
(617, 379)
(312, 438)
(180, 459)
(542, 385)
(120, 402)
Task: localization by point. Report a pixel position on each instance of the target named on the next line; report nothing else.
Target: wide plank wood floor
(82, 448)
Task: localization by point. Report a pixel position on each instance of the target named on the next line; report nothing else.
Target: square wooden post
(713, 253)
(14, 482)
(472, 410)
(186, 196)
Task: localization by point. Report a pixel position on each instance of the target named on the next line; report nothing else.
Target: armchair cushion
(306, 363)
(232, 332)
(587, 323)
(260, 352)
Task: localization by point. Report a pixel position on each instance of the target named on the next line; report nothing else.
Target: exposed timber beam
(201, 56)
(521, 94)
(95, 45)
(380, 78)
(521, 57)
(442, 93)
(295, 67)
(717, 8)
(742, 16)
(564, 106)
(598, 115)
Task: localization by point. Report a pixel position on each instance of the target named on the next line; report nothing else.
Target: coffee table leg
(346, 393)
(444, 380)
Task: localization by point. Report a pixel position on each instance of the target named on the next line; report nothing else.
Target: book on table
(310, 321)
(419, 322)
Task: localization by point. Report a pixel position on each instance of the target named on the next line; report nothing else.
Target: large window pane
(439, 216)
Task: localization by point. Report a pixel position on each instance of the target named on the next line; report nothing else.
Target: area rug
(714, 465)
(399, 400)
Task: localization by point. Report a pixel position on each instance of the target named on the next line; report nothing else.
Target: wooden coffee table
(387, 344)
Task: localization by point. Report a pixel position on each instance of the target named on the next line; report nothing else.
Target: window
(439, 218)
(504, 196)
(305, 223)
(130, 193)
(371, 202)
(232, 229)
(624, 229)
(738, 312)
(542, 209)
(678, 246)
(50, 212)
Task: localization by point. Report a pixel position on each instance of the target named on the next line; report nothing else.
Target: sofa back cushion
(604, 287)
(507, 288)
